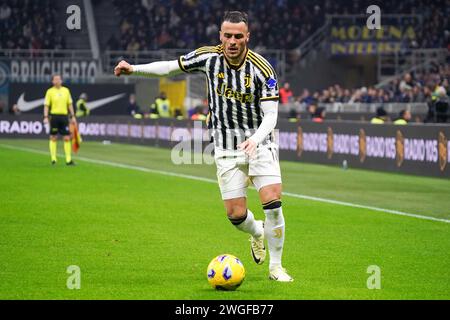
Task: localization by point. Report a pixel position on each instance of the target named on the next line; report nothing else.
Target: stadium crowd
(414, 87)
(29, 25)
(156, 24)
(431, 88)
(160, 24)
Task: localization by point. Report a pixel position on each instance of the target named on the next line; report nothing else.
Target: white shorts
(235, 170)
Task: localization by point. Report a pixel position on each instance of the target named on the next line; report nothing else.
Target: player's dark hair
(235, 17)
(402, 113)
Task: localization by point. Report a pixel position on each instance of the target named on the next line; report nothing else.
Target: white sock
(249, 225)
(274, 232)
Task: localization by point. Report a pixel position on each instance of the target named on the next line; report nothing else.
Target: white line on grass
(186, 176)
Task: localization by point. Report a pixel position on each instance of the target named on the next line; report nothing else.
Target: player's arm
(72, 113)
(153, 70)
(70, 107)
(269, 122)
(46, 107)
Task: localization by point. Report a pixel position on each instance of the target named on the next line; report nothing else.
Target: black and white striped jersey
(234, 92)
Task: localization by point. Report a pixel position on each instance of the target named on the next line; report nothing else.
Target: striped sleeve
(267, 77)
(195, 61)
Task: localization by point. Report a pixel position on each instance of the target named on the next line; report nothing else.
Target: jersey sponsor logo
(229, 93)
(271, 83)
(30, 105)
(220, 75)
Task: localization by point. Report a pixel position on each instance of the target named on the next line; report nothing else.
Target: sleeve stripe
(211, 49)
(181, 64)
(262, 64)
(264, 69)
(275, 98)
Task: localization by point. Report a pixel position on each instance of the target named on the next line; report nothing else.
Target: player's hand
(123, 67)
(45, 120)
(74, 120)
(249, 147)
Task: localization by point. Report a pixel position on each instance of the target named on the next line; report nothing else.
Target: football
(225, 272)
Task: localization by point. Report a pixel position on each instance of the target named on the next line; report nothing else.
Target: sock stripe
(238, 221)
(274, 204)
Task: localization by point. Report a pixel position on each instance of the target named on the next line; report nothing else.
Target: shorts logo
(271, 83)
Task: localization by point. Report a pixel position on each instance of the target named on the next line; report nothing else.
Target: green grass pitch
(145, 235)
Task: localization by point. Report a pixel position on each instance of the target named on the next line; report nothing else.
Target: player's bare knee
(235, 212)
(237, 216)
(270, 193)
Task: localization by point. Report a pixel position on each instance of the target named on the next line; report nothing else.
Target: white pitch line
(186, 176)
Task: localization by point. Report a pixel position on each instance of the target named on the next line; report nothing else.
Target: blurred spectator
(407, 83)
(81, 107)
(428, 93)
(133, 108)
(286, 94)
(161, 107)
(442, 106)
(306, 97)
(319, 115)
(403, 118)
(14, 110)
(5, 12)
(198, 115)
(381, 116)
(312, 110)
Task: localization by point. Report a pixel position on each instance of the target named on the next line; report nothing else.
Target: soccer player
(58, 104)
(243, 104)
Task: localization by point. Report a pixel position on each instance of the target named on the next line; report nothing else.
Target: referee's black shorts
(59, 124)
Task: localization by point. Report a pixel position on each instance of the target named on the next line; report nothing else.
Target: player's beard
(237, 55)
